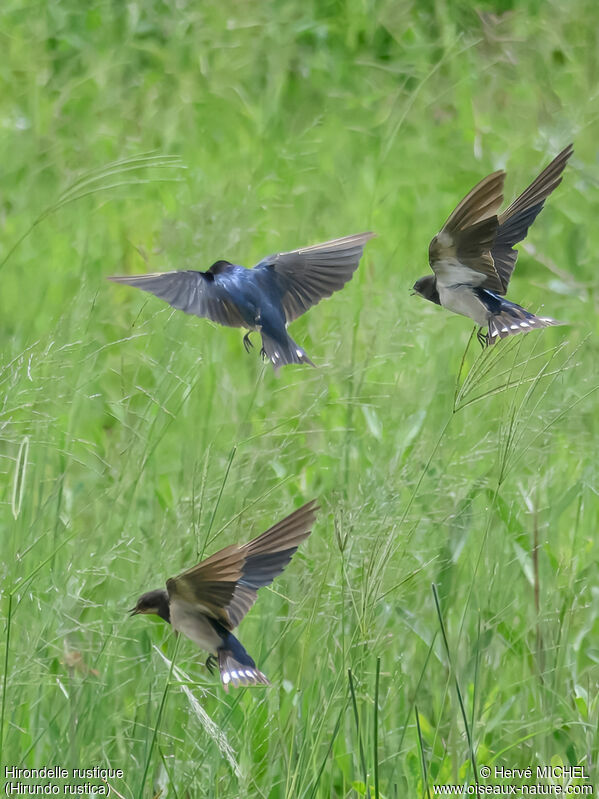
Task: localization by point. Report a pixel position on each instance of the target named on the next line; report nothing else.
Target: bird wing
(461, 251)
(199, 293)
(514, 222)
(225, 585)
(306, 276)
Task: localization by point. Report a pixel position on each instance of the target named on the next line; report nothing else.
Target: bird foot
(263, 354)
(211, 662)
(247, 342)
(482, 337)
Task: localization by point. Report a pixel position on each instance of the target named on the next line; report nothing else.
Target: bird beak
(133, 612)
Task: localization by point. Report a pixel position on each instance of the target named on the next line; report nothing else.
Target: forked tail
(236, 666)
(513, 319)
(280, 353)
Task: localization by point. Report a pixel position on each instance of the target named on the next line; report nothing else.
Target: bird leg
(263, 354)
(482, 338)
(211, 662)
(247, 343)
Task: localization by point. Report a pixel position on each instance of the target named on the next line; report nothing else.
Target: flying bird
(265, 298)
(473, 256)
(208, 601)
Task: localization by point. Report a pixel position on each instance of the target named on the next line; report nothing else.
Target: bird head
(427, 287)
(152, 602)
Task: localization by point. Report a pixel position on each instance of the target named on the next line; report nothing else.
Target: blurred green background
(146, 136)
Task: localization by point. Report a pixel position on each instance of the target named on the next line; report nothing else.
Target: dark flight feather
(483, 242)
(308, 275)
(226, 584)
(481, 202)
(514, 222)
(198, 293)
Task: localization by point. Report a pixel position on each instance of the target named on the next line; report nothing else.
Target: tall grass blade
(359, 733)
(94, 181)
(19, 479)
(144, 775)
(211, 728)
(375, 728)
(456, 683)
(422, 755)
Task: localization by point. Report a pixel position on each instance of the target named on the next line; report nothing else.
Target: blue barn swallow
(473, 256)
(265, 298)
(208, 601)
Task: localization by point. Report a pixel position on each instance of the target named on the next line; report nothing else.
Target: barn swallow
(473, 256)
(208, 601)
(265, 298)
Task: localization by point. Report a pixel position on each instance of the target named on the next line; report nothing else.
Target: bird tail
(280, 353)
(236, 666)
(512, 319)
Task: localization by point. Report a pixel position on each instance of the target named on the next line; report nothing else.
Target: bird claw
(211, 662)
(483, 339)
(263, 354)
(247, 342)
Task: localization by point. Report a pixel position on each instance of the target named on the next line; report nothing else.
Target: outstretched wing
(515, 220)
(461, 251)
(200, 293)
(306, 276)
(225, 585)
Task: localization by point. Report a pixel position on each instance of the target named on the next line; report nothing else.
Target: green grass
(134, 439)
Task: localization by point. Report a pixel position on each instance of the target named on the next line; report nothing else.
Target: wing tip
(132, 279)
(566, 152)
(481, 202)
(353, 239)
(287, 533)
(311, 507)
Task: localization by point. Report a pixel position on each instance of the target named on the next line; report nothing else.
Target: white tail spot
(495, 333)
(504, 330)
(226, 677)
(524, 324)
(299, 353)
(249, 673)
(234, 675)
(514, 327)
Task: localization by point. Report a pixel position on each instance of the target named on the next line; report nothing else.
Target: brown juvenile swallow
(473, 256)
(208, 601)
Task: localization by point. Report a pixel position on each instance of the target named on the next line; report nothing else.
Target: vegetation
(135, 439)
